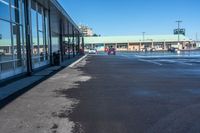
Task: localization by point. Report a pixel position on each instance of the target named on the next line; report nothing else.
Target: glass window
(4, 9)
(40, 18)
(17, 44)
(41, 42)
(33, 16)
(15, 11)
(5, 41)
(34, 29)
(22, 13)
(35, 42)
(46, 34)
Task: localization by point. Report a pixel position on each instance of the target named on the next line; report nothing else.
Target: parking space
(188, 59)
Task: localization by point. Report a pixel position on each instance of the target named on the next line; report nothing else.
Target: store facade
(31, 32)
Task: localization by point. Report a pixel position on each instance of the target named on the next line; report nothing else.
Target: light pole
(196, 37)
(143, 34)
(143, 38)
(179, 21)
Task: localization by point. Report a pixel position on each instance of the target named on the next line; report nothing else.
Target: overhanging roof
(62, 10)
(133, 39)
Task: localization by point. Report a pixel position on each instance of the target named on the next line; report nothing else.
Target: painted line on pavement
(127, 56)
(76, 62)
(184, 63)
(153, 62)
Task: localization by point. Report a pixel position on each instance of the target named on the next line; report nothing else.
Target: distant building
(137, 43)
(87, 31)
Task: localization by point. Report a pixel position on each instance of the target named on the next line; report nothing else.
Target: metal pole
(179, 21)
(143, 34)
(196, 37)
(28, 37)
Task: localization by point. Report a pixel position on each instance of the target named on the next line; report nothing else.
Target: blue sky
(132, 17)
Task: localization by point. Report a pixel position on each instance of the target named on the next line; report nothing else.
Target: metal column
(28, 36)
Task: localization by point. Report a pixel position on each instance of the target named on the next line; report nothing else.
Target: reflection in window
(34, 29)
(5, 41)
(41, 45)
(35, 42)
(17, 43)
(15, 11)
(46, 35)
(33, 15)
(40, 22)
(4, 9)
(5, 47)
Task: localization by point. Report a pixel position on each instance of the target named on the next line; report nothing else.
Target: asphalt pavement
(131, 94)
(126, 93)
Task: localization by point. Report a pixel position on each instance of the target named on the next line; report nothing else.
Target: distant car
(106, 49)
(111, 51)
(152, 50)
(2, 53)
(174, 50)
(92, 51)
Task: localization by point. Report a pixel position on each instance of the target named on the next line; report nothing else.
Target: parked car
(174, 50)
(92, 51)
(111, 51)
(2, 53)
(152, 50)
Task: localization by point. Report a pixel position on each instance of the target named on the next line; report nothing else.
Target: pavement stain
(46, 107)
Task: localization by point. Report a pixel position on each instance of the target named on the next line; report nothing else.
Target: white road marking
(150, 61)
(127, 56)
(165, 60)
(157, 61)
(76, 62)
(176, 61)
(184, 63)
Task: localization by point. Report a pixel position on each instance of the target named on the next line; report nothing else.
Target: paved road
(129, 94)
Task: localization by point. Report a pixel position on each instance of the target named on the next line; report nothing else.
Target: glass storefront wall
(12, 54)
(70, 40)
(65, 41)
(13, 43)
(40, 36)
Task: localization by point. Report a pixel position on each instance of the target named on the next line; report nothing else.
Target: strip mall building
(32, 32)
(139, 43)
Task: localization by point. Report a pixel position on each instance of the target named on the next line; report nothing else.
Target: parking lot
(166, 60)
(131, 93)
(126, 93)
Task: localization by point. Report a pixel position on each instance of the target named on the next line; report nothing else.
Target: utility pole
(196, 37)
(179, 21)
(143, 34)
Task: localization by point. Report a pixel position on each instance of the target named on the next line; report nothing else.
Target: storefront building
(137, 43)
(31, 32)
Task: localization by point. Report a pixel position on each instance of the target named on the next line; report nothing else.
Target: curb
(76, 62)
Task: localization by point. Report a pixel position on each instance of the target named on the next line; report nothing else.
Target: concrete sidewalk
(18, 87)
(44, 109)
